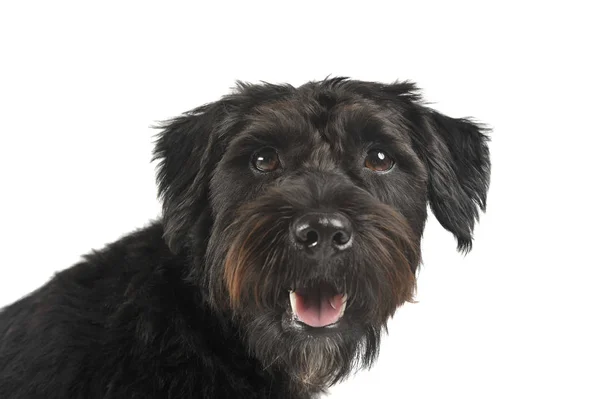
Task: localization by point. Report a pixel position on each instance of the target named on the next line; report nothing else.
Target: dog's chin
(314, 357)
(313, 335)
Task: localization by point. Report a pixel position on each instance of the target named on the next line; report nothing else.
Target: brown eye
(266, 160)
(378, 161)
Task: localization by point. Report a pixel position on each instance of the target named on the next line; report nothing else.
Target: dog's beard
(314, 361)
(254, 267)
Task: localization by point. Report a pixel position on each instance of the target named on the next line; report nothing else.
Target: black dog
(290, 234)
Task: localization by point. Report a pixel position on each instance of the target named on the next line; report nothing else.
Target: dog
(290, 234)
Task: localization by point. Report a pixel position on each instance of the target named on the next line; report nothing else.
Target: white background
(516, 318)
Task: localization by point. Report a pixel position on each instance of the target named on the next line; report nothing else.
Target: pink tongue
(315, 308)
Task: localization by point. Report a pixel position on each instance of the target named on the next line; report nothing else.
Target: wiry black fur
(194, 305)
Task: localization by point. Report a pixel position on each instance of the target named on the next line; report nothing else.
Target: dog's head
(303, 209)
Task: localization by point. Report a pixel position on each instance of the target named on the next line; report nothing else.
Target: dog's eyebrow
(373, 129)
(379, 135)
(254, 136)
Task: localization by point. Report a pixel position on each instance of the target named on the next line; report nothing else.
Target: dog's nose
(322, 232)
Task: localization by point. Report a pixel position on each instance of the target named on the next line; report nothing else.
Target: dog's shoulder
(120, 323)
(63, 330)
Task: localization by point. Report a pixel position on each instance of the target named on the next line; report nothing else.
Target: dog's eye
(378, 161)
(266, 160)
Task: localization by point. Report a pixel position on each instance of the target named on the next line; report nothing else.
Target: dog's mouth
(318, 306)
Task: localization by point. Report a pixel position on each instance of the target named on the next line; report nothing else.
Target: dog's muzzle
(319, 254)
(320, 236)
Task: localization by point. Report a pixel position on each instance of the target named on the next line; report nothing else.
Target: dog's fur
(196, 304)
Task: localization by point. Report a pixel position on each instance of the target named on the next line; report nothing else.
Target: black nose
(323, 232)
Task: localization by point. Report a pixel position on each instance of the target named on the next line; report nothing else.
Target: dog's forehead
(329, 126)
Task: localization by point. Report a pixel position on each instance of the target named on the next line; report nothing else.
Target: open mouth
(318, 306)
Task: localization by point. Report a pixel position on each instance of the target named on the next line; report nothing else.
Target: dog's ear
(458, 162)
(183, 149)
(457, 158)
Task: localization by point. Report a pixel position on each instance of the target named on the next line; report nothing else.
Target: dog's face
(304, 208)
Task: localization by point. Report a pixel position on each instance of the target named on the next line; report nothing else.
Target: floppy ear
(183, 149)
(457, 157)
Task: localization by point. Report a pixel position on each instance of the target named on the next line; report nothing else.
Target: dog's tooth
(293, 302)
(331, 302)
(343, 307)
(344, 300)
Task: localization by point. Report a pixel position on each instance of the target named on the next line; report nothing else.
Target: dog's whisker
(268, 366)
